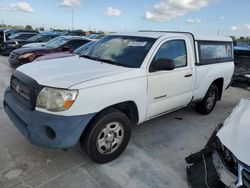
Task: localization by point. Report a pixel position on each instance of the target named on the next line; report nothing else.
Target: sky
(206, 17)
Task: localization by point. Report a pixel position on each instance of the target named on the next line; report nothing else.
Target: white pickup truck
(122, 80)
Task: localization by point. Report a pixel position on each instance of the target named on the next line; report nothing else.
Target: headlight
(56, 99)
(29, 55)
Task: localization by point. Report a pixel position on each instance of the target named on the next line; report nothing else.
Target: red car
(78, 51)
(60, 44)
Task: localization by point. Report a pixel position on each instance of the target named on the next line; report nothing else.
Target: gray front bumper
(34, 125)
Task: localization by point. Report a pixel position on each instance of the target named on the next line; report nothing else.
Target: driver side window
(174, 50)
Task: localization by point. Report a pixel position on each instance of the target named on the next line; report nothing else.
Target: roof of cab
(158, 34)
(141, 34)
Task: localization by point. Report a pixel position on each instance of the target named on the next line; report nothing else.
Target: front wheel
(207, 105)
(108, 136)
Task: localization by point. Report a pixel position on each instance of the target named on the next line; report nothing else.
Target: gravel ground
(154, 157)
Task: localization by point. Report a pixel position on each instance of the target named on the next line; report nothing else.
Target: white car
(122, 80)
(231, 158)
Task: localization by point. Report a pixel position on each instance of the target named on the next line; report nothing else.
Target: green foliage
(28, 27)
(241, 39)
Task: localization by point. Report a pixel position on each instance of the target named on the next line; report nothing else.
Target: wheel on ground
(207, 105)
(107, 136)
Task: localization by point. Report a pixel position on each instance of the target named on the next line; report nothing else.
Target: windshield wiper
(89, 57)
(105, 61)
(113, 62)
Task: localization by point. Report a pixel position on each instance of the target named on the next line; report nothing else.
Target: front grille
(21, 91)
(25, 89)
(246, 178)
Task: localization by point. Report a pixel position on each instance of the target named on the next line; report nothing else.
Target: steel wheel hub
(110, 138)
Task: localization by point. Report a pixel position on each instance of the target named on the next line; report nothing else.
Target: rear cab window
(214, 52)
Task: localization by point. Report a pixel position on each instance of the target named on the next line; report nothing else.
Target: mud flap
(201, 172)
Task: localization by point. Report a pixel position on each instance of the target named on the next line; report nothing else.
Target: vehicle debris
(225, 160)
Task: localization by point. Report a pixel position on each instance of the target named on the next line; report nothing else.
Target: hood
(66, 72)
(235, 134)
(34, 44)
(33, 49)
(54, 56)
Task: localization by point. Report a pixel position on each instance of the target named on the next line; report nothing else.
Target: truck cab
(122, 80)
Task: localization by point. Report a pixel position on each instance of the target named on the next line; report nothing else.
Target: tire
(208, 103)
(110, 130)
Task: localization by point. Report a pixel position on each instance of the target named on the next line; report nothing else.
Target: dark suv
(60, 44)
(13, 41)
(5, 34)
(13, 44)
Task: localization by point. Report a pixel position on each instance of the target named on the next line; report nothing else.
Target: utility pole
(73, 20)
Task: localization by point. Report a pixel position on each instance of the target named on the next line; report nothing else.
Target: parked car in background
(2, 38)
(5, 34)
(74, 33)
(79, 51)
(124, 79)
(96, 36)
(15, 43)
(37, 44)
(241, 76)
(10, 44)
(241, 52)
(60, 44)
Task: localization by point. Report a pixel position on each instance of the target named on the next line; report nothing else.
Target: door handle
(188, 75)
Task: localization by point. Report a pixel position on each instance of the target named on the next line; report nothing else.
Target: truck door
(170, 90)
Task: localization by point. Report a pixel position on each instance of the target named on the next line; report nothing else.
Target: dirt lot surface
(154, 157)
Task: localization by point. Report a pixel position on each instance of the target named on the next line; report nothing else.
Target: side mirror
(162, 64)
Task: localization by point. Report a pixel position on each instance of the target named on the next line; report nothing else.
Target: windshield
(35, 38)
(83, 48)
(125, 51)
(14, 36)
(55, 43)
(92, 36)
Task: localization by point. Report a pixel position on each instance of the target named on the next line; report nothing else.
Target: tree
(233, 38)
(242, 39)
(28, 27)
(41, 29)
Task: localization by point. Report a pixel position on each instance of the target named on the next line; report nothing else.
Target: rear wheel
(108, 136)
(207, 105)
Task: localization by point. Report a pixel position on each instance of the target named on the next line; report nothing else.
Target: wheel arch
(129, 108)
(219, 83)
